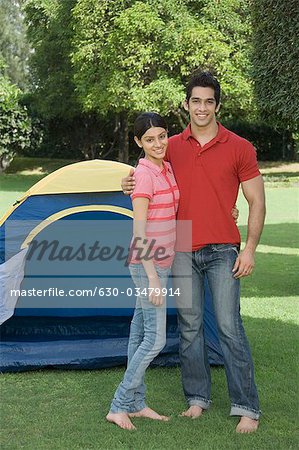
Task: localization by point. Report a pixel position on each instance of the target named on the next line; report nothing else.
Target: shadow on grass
(277, 235)
(271, 164)
(45, 165)
(280, 175)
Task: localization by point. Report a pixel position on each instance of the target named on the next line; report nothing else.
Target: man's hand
(128, 183)
(235, 213)
(244, 264)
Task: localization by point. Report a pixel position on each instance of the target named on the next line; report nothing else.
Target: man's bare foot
(194, 411)
(121, 419)
(247, 425)
(149, 414)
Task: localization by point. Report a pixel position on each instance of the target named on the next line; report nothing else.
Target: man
(209, 164)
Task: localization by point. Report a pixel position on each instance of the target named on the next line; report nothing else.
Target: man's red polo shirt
(208, 178)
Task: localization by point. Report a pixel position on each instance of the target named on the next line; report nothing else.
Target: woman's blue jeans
(216, 262)
(147, 339)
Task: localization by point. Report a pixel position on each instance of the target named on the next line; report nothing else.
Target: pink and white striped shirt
(159, 186)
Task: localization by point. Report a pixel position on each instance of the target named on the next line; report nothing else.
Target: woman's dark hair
(147, 120)
(204, 79)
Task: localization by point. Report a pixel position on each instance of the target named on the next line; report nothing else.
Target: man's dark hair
(204, 79)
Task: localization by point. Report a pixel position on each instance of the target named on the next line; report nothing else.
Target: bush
(271, 144)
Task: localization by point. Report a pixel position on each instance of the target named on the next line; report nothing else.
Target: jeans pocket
(225, 247)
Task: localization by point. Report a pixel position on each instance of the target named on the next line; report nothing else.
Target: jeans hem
(238, 410)
(204, 404)
(139, 407)
(120, 410)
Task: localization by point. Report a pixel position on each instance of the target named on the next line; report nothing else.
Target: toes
(128, 426)
(165, 418)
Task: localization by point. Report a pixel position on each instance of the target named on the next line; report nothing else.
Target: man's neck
(204, 134)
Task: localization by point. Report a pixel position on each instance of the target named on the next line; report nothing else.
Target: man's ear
(138, 142)
(218, 108)
(186, 105)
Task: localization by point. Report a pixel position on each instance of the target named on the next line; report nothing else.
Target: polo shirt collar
(222, 134)
(154, 168)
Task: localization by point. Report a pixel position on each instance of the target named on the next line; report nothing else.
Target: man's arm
(128, 183)
(254, 193)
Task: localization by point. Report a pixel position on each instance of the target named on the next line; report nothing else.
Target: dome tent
(81, 200)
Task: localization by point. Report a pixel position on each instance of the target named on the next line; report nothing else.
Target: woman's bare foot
(149, 414)
(121, 419)
(194, 411)
(247, 425)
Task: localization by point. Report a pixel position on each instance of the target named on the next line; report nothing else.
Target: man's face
(202, 107)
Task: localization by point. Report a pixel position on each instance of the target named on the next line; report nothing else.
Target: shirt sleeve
(144, 186)
(248, 166)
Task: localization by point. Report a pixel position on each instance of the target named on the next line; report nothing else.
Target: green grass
(22, 174)
(65, 410)
(48, 409)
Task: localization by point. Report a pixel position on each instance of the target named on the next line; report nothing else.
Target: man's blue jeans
(216, 262)
(147, 339)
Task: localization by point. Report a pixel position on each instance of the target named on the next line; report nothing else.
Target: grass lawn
(50, 409)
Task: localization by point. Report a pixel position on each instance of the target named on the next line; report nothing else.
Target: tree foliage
(68, 131)
(14, 48)
(15, 124)
(131, 56)
(276, 62)
(49, 32)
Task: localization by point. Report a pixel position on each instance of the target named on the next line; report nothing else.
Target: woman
(155, 201)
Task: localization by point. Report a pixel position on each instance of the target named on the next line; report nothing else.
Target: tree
(14, 48)
(69, 131)
(15, 124)
(276, 65)
(97, 61)
(49, 32)
(131, 56)
(232, 19)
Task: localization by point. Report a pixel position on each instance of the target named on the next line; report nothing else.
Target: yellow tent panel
(95, 175)
(86, 176)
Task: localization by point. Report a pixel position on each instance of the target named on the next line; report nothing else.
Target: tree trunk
(5, 160)
(123, 153)
(288, 146)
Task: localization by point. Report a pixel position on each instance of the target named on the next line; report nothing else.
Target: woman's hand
(155, 291)
(235, 213)
(128, 183)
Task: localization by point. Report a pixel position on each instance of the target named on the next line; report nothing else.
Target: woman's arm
(140, 207)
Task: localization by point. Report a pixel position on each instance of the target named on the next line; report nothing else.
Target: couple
(205, 165)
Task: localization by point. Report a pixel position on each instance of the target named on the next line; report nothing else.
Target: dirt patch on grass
(278, 166)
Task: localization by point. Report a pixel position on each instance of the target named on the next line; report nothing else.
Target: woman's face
(154, 143)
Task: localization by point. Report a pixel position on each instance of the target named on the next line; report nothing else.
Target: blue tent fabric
(77, 338)
(37, 208)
